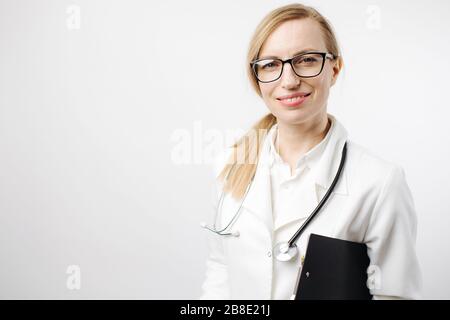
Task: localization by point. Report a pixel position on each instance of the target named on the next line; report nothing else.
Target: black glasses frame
(325, 55)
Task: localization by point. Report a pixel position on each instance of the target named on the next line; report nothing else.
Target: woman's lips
(295, 101)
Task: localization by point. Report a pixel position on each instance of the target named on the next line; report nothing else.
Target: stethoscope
(283, 251)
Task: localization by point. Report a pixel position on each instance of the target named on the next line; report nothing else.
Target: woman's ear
(337, 67)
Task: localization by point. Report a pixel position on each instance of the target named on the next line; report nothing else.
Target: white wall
(91, 112)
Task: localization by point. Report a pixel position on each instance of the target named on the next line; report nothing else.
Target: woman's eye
(307, 60)
(269, 65)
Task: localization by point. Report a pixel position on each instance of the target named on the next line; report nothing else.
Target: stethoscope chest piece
(285, 252)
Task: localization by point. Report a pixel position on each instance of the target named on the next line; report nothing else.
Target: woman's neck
(293, 141)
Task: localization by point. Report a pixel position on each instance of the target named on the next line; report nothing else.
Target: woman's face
(290, 38)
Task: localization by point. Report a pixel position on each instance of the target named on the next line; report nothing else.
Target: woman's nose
(288, 78)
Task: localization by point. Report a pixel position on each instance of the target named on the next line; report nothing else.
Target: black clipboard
(334, 269)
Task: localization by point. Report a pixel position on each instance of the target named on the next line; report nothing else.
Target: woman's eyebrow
(295, 54)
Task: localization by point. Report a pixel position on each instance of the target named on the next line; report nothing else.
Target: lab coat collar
(259, 200)
(328, 165)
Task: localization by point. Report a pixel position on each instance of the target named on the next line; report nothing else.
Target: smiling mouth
(295, 99)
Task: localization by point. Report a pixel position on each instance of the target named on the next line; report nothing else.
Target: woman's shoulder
(368, 167)
(368, 157)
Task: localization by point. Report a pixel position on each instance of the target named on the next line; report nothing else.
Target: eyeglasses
(305, 65)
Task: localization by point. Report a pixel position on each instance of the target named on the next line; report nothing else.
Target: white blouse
(286, 205)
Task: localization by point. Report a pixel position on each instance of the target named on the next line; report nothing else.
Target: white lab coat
(371, 203)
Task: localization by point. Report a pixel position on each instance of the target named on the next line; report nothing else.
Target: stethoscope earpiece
(220, 233)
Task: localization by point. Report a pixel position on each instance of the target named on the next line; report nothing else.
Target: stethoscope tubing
(297, 234)
(323, 200)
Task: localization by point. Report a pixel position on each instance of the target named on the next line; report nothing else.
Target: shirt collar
(325, 170)
(309, 159)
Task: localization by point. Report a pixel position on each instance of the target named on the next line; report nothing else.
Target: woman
(278, 172)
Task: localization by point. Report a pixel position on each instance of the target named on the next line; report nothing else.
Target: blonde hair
(236, 174)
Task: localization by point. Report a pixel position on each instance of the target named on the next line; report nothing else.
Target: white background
(89, 115)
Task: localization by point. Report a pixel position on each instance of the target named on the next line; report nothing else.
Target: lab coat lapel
(328, 165)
